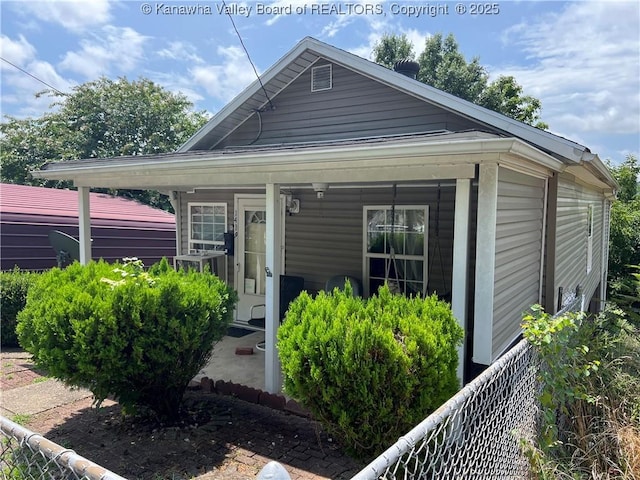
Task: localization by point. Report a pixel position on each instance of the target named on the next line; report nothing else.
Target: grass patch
(21, 419)
(40, 379)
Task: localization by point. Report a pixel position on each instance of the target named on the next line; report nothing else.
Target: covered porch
(336, 208)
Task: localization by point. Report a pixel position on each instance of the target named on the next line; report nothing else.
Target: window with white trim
(207, 225)
(589, 237)
(395, 248)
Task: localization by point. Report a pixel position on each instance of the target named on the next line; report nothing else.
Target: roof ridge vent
(407, 67)
(321, 78)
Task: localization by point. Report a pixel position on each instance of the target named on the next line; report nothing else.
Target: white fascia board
(329, 154)
(363, 161)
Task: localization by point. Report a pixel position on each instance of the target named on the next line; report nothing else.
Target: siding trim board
(485, 263)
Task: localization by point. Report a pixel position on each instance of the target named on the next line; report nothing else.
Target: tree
(624, 236)
(393, 48)
(103, 118)
(443, 66)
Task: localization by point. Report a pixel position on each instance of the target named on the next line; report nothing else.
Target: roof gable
(309, 52)
(354, 107)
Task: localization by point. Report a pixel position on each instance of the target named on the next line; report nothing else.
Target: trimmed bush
(120, 331)
(369, 370)
(14, 286)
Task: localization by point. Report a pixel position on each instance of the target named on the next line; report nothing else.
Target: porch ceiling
(408, 158)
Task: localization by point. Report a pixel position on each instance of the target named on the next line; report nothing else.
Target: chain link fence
(477, 434)
(482, 432)
(27, 455)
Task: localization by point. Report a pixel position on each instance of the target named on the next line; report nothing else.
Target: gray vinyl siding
(355, 107)
(571, 237)
(325, 238)
(519, 224)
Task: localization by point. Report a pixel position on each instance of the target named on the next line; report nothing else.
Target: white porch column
(460, 262)
(272, 369)
(485, 264)
(84, 219)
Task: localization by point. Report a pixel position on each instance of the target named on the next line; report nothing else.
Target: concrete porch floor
(225, 365)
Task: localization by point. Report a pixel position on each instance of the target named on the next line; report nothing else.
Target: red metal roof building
(119, 227)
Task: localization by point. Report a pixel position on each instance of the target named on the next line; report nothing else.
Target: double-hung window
(395, 248)
(207, 225)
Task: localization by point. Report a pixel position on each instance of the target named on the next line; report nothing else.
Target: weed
(21, 419)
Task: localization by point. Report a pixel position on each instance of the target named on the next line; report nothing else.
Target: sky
(580, 58)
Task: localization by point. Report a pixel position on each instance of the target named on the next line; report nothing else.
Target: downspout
(544, 238)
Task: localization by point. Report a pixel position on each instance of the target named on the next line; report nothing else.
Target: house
(306, 167)
(119, 227)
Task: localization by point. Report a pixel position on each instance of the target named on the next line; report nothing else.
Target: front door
(251, 256)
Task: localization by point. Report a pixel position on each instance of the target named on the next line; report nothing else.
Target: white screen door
(251, 256)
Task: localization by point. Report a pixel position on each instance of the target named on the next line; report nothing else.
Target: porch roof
(427, 156)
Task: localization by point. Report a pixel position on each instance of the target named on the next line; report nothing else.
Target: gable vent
(321, 78)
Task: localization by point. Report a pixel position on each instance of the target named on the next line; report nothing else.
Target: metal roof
(39, 201)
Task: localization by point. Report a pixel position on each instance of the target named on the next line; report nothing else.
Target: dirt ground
(221, 438)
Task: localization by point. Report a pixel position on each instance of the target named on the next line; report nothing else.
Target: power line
(247, 53)
(33, 76)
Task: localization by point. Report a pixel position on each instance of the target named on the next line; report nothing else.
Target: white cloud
(74, 15)
(17, 51)
(177, 83)
(110, 50)
(351, 12)
(583, 64)
(288, 7)
(225, 81)
(20, 88)
(183, 51)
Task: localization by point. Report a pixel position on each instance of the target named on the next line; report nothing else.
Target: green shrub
(625, 292)
(369, 370)
(590, 375)
(118, 330)
(14, 286)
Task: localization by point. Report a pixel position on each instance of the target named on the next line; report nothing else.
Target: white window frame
(215, 244)
(366, 256)
(590, 215)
